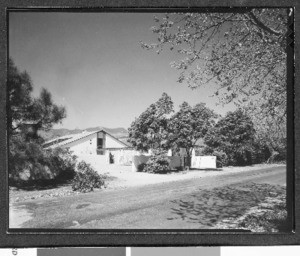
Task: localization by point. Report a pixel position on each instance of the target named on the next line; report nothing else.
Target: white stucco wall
(112, 143)
(123, 156)
(95, 160)
(86, 145)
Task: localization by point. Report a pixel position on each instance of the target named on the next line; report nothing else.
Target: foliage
(149, 130)
(261, 152)
(242, 53)
(86, 178)
(19, 86)
(63, 160)
(30, 162)
(234, 135)
(40, 112)
(28, 115)
(270, 135)
(221, 156)
(271, 216)
(188, 125)
(157, 163)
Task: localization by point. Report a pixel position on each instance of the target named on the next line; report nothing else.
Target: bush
(242, 155)
(157, 163)
(28, 161)
(86, 178)
(64, 161)
(222, 158)
(261, 152)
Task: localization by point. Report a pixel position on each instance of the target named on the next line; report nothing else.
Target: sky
(93, 64)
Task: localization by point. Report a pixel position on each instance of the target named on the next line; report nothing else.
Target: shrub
(157, 163)
(63, 160)
(28, 161)
(261, 153)
(242, 155)
(86, 178)
(222, 158)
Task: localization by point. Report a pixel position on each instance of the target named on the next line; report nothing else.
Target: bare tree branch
(263, 26)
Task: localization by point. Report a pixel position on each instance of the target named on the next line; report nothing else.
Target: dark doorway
(111, 158)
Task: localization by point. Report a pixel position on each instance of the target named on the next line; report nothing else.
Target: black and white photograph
(148, 120)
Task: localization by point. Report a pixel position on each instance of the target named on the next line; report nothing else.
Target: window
(100, 150)
(99, 143)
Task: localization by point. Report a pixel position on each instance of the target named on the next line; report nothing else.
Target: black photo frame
(80, 238)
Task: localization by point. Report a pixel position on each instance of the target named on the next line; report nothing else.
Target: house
(99, 146)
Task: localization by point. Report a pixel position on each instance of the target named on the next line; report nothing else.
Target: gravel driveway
(194, 202)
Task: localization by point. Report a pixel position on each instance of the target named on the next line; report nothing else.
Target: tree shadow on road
(207, 207)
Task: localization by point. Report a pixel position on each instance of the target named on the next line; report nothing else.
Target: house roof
(66, 139)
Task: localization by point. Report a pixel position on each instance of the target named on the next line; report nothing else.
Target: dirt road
(190, 204)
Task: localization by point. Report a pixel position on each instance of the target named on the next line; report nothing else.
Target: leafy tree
(188, 125)
(241, 52)
(39, 112)
(149, 130)
(29, 162)
(234, 135)
(270, 135)
(25, 145)
(19, 88)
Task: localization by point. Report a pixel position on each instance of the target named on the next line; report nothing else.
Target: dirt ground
(121, 177)
(226, 200)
